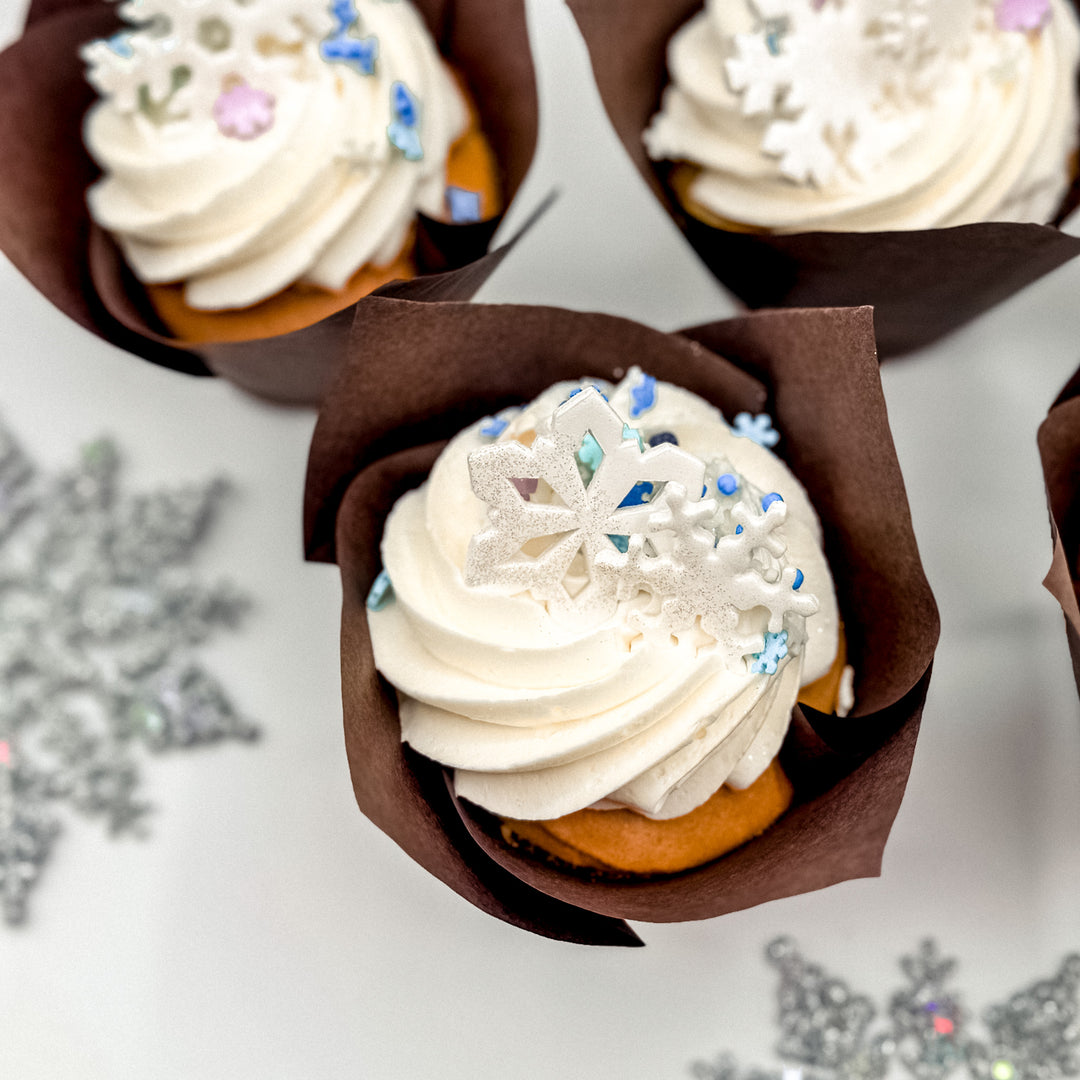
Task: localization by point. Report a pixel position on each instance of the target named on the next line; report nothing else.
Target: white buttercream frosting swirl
(871, 114)
(328, 177)
(626, 702)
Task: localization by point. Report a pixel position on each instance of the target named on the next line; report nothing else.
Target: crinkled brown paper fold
(421, 372)
(1059, 448)
(46, 231)
(921, 283)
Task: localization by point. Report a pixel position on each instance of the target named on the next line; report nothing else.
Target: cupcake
(256, 167)
(264, 163)
(599, 611)
(1059, 449)
(870, 115)
(903, 155)
(521, 665)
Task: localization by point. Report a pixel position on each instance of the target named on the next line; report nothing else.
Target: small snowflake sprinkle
(766, 661)
(757, 428)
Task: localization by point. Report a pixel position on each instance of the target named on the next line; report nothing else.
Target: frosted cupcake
(802, 115)
(264, 162)
(598, 662)
(617, 612)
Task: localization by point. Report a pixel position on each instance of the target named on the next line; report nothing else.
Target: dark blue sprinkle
(663, 437)
(738, 529)
(799, 579)
(637, 494)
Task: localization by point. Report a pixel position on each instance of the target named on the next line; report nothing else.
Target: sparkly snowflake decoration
(98, 614)
(181, 55)
(827, 1030)
(592, 523)
(835, 82)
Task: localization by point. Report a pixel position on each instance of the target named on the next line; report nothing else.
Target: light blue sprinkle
(493, 427)
(120, 43)
(766, 661)
(642, 396)
(621, 542)
(464, 205)
(632, 433)
(590, 454)
(382, 592)
(638, 494)
(757, 428)
(799, 579)
(728, 484)
(768, 500)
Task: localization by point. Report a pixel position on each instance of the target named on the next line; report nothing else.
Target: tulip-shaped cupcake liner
(1059, 448)
(922, 284)
(46, 230)
(378, 435)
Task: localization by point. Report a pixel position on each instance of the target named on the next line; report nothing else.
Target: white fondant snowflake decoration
(580, 518)
(180, 54)
(834, 78)
(569, 523)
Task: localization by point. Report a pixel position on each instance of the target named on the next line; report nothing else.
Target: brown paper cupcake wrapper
(921, 283)
(1059, 448)
(46, 231)
(816, 371)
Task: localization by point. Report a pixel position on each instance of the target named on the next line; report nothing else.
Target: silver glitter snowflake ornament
(99, 611)
(828, 1031)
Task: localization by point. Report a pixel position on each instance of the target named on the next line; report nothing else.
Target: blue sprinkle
(493, 427)
(590, 454)
(642, 396)
(382, 592)
(632, 433)
(738, 529)
(663, 437)
(621, 542)
(402, 129)
(591, 386)
(359, 53)
(638, 494)
(120, 43)
(799, 579)
(766, 661)
(768, 500)
(727, 484)
(757, 428)
(704, 490)
(464, 205)
(344, 12)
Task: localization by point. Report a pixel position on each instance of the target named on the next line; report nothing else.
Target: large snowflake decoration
(181, 55)
(833, 80)
(827, 1030)
(587, 519)
(98, 614)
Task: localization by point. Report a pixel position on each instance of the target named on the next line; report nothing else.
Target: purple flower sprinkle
(1022, 14)
(244, 112)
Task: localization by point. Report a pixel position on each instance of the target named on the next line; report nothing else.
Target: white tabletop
(265, 929)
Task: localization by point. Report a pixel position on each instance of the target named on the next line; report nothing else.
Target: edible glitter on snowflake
(243, 111)
(828, 1031)
(98, 617)
(606, 520)
(181, 55)
(1022, 14)
(832, 81)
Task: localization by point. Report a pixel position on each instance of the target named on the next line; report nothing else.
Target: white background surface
(267, 930)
